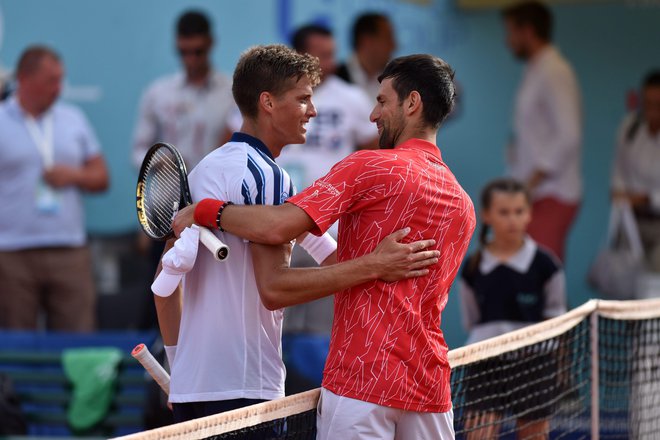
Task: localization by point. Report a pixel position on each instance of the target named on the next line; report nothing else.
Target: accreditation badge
(47, 199)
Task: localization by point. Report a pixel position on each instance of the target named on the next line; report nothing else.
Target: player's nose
(373, 117)
(311, 110)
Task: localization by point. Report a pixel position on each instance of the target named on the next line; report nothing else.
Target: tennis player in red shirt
(387, 373)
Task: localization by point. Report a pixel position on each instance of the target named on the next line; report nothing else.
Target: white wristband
(170, 352)
(319, 248)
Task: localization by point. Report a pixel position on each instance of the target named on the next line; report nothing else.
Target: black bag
(12, 419)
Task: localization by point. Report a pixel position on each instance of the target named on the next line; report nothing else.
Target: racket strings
(162, 192)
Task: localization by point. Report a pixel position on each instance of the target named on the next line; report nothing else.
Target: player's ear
(266, 101)
(413, 102)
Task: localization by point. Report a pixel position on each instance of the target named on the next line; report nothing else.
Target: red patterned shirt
(386, 346)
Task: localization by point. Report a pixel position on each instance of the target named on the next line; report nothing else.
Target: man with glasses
(190, 108)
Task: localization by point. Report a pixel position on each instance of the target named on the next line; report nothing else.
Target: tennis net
(591, 373)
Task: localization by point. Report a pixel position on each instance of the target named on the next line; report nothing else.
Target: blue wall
(113, 49)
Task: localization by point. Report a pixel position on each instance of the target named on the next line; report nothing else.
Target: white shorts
(344, 418)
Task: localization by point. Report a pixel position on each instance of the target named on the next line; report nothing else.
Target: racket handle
(219, 250)
(155, 370)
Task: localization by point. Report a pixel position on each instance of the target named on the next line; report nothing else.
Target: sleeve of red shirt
(333, 194)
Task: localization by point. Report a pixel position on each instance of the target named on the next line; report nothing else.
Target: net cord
(233, 420)
(620, 310)
(520, 338)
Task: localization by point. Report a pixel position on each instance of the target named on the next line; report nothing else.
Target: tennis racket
(155, 370)
(162, 189)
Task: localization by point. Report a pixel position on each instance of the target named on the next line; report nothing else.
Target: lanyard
(43, 138)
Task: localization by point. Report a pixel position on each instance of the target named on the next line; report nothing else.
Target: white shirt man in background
(374, 43)
(546, 148)
(188, 109)
(49, 157)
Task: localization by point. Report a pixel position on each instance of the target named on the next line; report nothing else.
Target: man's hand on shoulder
(395, 261)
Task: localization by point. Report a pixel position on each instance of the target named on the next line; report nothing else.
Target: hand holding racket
(162, 190)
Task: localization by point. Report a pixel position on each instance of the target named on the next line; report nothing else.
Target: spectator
(635, 175)
(49, 155)
(189, 109)
(373, 45)
(509, 283)
(545, 150)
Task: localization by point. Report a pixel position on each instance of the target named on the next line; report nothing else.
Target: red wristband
(206, 212)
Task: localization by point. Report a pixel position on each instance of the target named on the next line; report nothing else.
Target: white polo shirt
(193, 118)
(23, 223)
(548, 127)
(229, 344)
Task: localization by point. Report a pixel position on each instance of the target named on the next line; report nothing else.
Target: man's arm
(168, 309)
(264, 224)
(538, 176)
(281, 286)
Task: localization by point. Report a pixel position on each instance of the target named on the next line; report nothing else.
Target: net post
(595, 395)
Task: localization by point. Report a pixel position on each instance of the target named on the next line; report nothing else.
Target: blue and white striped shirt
(229, 343)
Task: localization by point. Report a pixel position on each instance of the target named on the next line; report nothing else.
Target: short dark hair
(193, 23)
(506, 185)
(367, 24)
(652, 79)
(300, 36)
(532, 13)
(269, 69)
(29, 61)
(431, 77)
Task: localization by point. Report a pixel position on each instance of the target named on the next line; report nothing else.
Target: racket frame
(185, 198)
(219, 250)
